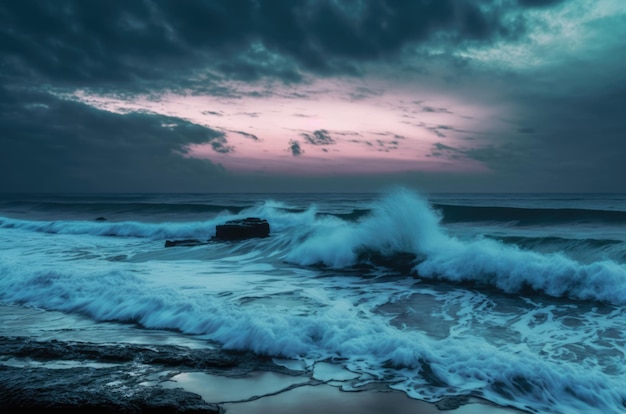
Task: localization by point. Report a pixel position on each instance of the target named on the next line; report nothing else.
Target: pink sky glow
(384, 129)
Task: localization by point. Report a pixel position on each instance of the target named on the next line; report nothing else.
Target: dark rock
(101, 219)
(248, 228)
(80, 391)
(186, 242)
(118, 387)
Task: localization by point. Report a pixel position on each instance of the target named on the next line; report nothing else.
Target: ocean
(519, 299)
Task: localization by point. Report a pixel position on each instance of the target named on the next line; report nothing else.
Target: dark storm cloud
(78, 42)
(539, 3)
(119, 42)
(386, 145)
(568, 125)
(247, 135)
(435, 110)
(393, 135)
(438, 130)
(443, 147)
(294, 148)
(362, 141)
(504, 157)
(578, 142)
(446, 151)
(427, 108)
(362, 92)
(212, 113)
(381, 145)
(501, 158)
(219, 144)
(318, 137)
(50, 144)
(252, 65)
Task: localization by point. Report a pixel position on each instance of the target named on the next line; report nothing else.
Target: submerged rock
(248, 228)
(112, 378)
(186, 242)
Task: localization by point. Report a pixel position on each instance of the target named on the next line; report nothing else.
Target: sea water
(516, 298)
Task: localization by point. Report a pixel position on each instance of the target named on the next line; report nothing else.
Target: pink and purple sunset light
(339, 129)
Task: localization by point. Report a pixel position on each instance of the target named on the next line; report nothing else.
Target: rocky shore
(55, 376)
(52, 376)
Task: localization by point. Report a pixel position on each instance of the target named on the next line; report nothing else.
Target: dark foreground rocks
(233, 230)
(185, 242)
(248, 228)
(78, 390)
(72, 377)
(51, 376)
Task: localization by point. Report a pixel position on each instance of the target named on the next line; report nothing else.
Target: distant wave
(403, 231)
(404, 222)
(528, 216)
(141, 207)
(121, 210)
(121, 207)
(114, 229)
(449, 213)
(583, 249)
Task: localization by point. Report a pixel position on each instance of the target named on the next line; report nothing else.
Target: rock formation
(233, 230)
(248, 228)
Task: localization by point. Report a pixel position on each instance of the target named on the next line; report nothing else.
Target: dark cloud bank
(49, 143)
(318, 137)
(126, 47)
(78, 43)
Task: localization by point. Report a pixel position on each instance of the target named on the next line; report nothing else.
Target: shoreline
(61, 376)
(375, 399)
(55, 362)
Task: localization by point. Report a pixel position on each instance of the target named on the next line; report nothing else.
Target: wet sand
(52, 362)
(266, 392)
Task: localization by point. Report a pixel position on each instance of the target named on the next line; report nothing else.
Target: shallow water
(525, 312)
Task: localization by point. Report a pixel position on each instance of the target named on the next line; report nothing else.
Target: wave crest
(404, 222)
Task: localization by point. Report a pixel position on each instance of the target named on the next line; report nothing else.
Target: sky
(312, 95)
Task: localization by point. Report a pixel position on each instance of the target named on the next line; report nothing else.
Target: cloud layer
(201, 95)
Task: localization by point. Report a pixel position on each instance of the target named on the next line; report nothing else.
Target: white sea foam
(400, 222)
(115, 229)
(322, 323)
(403, 222)
(428, 340)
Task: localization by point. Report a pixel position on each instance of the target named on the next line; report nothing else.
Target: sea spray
(400, 222)
(156, 231)
(512, 270)
(298, 294)
(404, 222)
